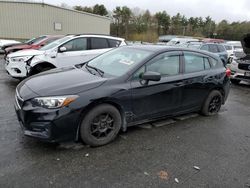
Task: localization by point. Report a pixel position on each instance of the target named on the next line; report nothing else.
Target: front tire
(212, 104)
(101, 125)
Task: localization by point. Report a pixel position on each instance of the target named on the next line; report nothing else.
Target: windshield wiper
(99, 71)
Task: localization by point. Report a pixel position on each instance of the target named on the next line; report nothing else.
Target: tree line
(142, 25)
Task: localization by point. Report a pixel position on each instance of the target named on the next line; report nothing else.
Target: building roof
(54, 6)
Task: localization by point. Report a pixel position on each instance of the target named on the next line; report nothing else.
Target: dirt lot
(141, 157)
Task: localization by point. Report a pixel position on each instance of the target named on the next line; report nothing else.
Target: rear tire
(212, 104)
(101, 125)
(236, 82)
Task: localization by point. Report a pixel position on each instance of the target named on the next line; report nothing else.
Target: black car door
(195, 80)
(157, 98)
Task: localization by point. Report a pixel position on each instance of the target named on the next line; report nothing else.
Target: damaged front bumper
(17, 70)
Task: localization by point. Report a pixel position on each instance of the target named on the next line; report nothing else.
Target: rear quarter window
(216, 63)
(114, 43)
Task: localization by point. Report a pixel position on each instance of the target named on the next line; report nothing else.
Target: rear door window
(114, 43)
(98, 43)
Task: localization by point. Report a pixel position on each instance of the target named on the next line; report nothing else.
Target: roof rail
(78, 34)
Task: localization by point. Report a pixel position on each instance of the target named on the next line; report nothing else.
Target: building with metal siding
(24, 20)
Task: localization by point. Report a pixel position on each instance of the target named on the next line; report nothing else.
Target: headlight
(53, 102)
(20, 59)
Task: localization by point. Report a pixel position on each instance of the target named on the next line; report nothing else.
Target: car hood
(246, 43)
(62, 81)
(26, 53)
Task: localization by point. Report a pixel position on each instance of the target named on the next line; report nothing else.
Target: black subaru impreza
(126, 86)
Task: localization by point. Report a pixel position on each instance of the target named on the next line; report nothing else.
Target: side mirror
(151, 76)
(62, 49)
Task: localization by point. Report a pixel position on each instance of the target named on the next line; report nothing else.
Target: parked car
(180, 41)
(209, 40)
(4, 42)
(217, 49)
(192, 44)
(231, 47)
(28, 42)
(33, 44)
(240, 64)
(67, 51)
(127, 86)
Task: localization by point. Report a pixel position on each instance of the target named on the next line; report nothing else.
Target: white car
(240, 64)
(180, 41)
(6, 42)
(231, 47)
(67, 51)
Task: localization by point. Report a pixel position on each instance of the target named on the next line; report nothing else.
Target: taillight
(228, 72)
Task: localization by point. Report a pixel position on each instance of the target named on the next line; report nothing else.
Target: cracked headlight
(21, 59)
(53, 102)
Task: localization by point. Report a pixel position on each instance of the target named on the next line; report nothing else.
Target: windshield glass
(120, 60)
(36, 40)
(30, 41)
(237, 47)
(54, 44)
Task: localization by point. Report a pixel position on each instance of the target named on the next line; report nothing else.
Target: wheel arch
(42, 64)
(97, 103)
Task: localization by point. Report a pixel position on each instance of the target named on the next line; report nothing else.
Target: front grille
(7, 60)
(19, 100)
(244, 66)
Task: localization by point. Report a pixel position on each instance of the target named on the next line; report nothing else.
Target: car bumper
(242, 76)
(48, 125)
(16, 70)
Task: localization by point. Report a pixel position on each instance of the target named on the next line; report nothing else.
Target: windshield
(119, 61)
(36, 40)
(30, 41)
(54, 44)
(237, 47)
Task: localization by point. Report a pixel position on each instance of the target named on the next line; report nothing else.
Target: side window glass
(139, 72)
(205, 47)
(99, 43)
(114, 43)
(193, 63)
(165, 64)
(213, 48)
(216, 63)
(78, 44)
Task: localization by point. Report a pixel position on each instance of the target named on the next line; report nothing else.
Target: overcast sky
(232, 10)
